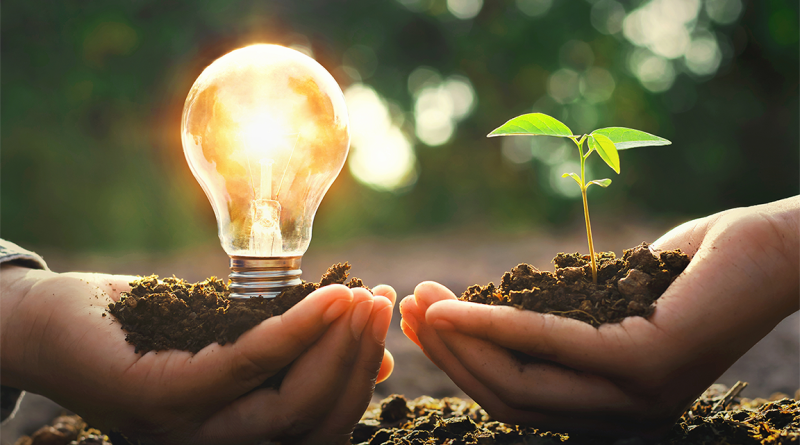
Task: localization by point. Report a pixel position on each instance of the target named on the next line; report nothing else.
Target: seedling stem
(582, 184)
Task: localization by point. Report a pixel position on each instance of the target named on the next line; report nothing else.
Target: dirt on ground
(173, 314)
(719, 416)
(625, 287)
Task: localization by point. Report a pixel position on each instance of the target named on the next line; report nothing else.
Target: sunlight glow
(382, 157)
(654, 72)
(534, 8)
(607, 16)
(464, 9)
(566, 186)
(563, 86)
(724, 12)
(673, 31)
(703, 56)
(439, 106)
(597, 85)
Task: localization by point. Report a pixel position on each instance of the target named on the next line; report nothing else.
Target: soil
(719, 416)
(65, 430)
(626, 286)
(173, 314)
(716, 417)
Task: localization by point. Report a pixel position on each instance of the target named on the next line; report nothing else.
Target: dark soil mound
(65, 430)
(174, 314)
(626, 287)
(451, 420)
(715, 418)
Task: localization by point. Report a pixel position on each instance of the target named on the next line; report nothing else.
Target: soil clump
(450, 420)
(626, 286)
(174, 314)
(65, 430)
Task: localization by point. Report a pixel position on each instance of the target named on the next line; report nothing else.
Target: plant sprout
(605, 141)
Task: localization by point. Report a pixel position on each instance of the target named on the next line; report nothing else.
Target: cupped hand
(57, 342)
(630, 378)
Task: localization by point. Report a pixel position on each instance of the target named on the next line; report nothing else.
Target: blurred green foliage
(92, 94)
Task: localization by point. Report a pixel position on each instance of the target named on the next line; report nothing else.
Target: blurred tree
(92, 96)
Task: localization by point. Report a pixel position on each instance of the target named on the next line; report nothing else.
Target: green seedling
(605, 141)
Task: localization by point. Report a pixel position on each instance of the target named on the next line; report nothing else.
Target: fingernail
(360, 318)
(442, 325)
(381, 324)
(335, 311)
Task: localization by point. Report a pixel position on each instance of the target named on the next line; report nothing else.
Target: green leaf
(532, 124)
(573, 176)
(606, 149)
(625, 138)
(601, 182)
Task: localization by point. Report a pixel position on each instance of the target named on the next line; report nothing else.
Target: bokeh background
(94, 177)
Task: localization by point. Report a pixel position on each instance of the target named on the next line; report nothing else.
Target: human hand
(637, 376)
(56, 342)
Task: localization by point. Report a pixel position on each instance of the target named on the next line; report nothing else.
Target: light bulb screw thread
(263, 277)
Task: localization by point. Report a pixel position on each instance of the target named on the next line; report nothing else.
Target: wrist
(16, 322)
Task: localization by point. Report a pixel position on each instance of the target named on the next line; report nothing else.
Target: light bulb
(265, 132)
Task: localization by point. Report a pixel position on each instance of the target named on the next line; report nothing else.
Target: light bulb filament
(265, 234)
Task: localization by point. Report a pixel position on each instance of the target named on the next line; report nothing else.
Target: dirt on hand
(626, 286)
(173, 314)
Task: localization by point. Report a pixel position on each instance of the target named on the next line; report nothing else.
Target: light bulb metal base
(263, 276)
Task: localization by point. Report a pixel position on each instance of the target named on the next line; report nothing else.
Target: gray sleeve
(12, 253)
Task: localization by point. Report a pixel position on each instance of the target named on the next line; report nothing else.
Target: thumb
(688, 236)
(279, 340)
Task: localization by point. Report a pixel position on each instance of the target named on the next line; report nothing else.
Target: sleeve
(12, 253)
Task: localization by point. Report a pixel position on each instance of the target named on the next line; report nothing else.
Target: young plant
(605, 141)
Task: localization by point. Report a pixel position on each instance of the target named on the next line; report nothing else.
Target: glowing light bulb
(265, 132)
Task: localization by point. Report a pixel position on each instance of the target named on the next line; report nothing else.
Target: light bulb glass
(265, 132)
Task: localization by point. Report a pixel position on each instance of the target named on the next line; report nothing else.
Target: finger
(688, 236)
(408, 309)
(355, 398)
(430, 342)
(441, 355)
(110, 285)
(429, 292)
(386, 291)
(570, 342)
(277, 341)
(314, 381)
(535, 385)
(387, 366)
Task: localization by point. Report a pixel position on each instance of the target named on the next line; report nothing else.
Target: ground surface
(456, 260)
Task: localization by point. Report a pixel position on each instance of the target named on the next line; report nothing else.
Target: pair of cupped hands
(629, 378)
